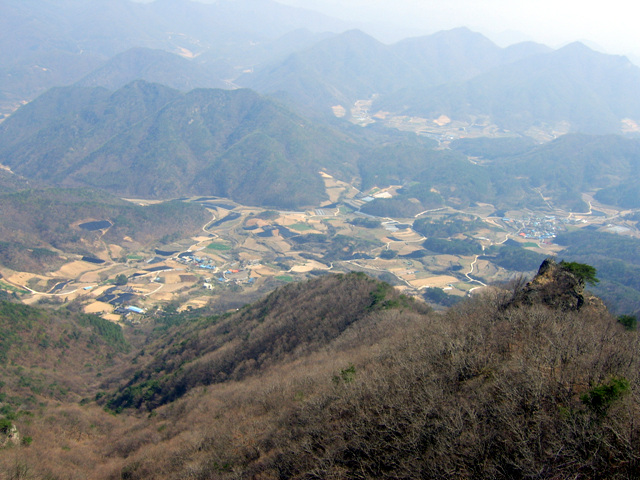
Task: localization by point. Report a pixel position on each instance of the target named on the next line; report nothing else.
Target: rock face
(555, 287)
(11, 436)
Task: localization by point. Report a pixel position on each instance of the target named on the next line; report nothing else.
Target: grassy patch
(284, 278)
(134, 257)
(11, 288)
(530, 245)
(219, 246)
(301, 227)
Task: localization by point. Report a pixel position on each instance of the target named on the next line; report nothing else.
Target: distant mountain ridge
(288, 53)
(460, 54)
(353, 65)
(590, 90)
(460, 73)
(337, 70)
(156, 66)
(49, 43)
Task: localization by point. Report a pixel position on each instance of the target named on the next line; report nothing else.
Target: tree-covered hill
(565, 167)
(36, 221)
(150, 141)
(53, 354)
(512, 172)
(576, 163)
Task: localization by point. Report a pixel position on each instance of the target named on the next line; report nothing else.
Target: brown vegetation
(390, 391)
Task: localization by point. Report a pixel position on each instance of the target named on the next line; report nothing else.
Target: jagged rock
(11, 436)
(555, 287)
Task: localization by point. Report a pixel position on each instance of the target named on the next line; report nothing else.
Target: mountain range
(292, 54)
(151, 141)
(57, 42)
(591, 91)
(461, 74)
(354, 65)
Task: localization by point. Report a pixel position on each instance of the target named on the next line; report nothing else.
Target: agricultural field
(243, 252)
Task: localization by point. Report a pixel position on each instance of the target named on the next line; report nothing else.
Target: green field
(11, 288)
(219, 246)
(301, 227)
(284, 278)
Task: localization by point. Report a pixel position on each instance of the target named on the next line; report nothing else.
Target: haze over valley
(243, 239)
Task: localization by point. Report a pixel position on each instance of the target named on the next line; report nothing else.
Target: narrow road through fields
(40, 293)
(475, 260)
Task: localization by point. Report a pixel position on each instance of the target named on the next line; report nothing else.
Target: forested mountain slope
(146, 140)
(340, 377)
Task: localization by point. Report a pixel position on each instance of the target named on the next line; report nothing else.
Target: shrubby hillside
(53, 355)
(288, 324)
(341, 377)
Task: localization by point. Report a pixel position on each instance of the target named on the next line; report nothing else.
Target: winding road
(472, 280)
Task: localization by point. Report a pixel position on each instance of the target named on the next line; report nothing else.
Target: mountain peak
(355, 35)
(575, 48)
(581, 50)
(461, 32)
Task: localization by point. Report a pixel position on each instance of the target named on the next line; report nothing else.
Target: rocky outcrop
(555, 287)
(11, 436)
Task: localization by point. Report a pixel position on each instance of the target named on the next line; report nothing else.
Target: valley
(245, 240)
(444, 129)
(243, 252)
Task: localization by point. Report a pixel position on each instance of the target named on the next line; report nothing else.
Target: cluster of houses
(535, 228)
(235, 275)
(188, 258)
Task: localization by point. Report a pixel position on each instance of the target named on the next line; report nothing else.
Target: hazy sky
(612, 25)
